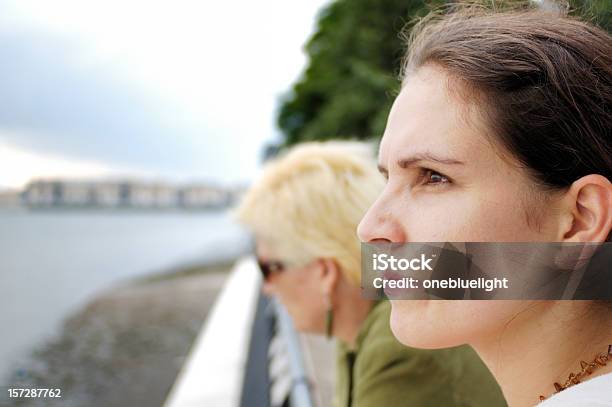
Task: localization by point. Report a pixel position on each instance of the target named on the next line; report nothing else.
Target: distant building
(152, 196)
(9, 198)
(141, 196)
(74, 194)
(133, 194)
(198, 196)
(107, 194)
(40, 193)
(236, 193)
(165, 196)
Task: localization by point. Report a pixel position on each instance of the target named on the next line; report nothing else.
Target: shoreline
(127, 344)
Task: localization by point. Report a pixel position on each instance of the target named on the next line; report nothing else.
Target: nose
(267, 288)
(379, 225)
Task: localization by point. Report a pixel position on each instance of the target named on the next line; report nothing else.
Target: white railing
(214, 372)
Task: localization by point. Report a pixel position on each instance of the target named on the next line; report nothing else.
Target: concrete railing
(214, 372)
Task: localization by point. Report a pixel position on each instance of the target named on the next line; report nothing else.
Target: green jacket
(382, 372)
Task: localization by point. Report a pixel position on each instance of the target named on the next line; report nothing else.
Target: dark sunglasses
(269, 267)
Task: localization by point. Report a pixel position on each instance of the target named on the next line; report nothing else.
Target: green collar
(365, 327)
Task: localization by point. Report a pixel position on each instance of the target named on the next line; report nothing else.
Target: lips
(397, 292)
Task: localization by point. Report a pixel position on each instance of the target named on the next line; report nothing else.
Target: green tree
(597, 11)
(355, 54)
(349, 84)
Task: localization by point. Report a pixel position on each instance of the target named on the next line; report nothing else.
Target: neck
(543, 345)
(350, 311)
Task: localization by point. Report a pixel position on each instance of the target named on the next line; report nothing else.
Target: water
(51, 263)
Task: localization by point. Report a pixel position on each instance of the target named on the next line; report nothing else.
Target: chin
(418, 324)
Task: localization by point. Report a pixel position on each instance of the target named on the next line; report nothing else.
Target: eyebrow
(413, 159)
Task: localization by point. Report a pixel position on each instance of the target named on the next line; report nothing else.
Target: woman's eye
(430, 177)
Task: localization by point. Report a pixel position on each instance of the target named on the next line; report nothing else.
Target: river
(53, 262)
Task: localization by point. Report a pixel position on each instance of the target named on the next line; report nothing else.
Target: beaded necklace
(586, 369)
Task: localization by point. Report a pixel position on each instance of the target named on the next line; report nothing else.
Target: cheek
(442, 217)
(504, 216)
(298, 293)
(464, 216)
(495, 218)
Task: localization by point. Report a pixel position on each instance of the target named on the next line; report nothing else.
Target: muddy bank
(126, 347)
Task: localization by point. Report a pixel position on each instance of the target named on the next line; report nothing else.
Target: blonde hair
(308, 203)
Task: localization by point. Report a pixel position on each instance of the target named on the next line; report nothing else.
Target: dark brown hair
(543, 82)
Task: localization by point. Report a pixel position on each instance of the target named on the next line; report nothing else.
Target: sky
(170, 90)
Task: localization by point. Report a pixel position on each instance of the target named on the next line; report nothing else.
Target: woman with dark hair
(502, 132)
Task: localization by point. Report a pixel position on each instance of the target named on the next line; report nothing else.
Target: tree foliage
(349, 84)
(597, 11)
(354, 56)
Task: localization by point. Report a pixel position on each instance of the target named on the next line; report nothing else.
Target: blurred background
(127, 129)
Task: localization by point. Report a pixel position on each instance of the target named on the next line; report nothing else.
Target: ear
(587, 210)
(330, 275)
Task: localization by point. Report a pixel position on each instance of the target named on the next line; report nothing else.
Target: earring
(329, 319)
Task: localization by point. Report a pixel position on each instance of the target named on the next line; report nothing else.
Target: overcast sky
(178, 90)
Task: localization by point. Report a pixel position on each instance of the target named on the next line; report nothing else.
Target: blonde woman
(304, 212)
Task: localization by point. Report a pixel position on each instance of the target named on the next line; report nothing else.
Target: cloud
(27, 165)
(181, 89)
(53, 102)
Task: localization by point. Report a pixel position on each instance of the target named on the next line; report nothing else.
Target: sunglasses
(269, 267)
